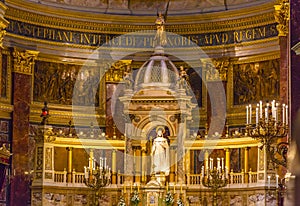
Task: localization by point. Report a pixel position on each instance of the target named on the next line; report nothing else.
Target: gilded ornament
(217, 69)
(282, 17)
(24, 61)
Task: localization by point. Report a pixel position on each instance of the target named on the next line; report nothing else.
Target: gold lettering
(217, 38)
(86, 38)
(177, 41)
(206, 39)
(59, 36)
(38, 32)
(195, 39)
(248, 34)
(224, 38)
(19, 28)
(236, 37)
(170, 41)
(273, 30)
(94, 39)
(146, 39)
(129, 41)
(107, 39)
(183, 41)
(66, 36)
(52, 34)
(45, 33)
(262, 32)
(27, 29)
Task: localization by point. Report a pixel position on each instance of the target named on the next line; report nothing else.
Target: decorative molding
(24, 61)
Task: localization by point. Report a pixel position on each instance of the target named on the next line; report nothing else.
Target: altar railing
(60, 177)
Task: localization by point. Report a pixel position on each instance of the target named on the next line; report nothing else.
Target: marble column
(70, 164)
(206, 156)
(23, 66)
(246, 163)
(227, 159)
(281, 15)
(137, 164)
(295, 90)
(114, 167)
(187, 161)
(128, 156)
(173, 163)
(144, 165)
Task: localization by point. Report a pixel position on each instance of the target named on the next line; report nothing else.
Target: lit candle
(260, 109)
(100, 162)
(250, 112)
(266, 114)
(202, 171)
(247, 115)
(222, 163)
(218, 163)
(269, 181)
(256, 115)
(286, 114)
(283, 113)
(277, 181)
(105, 162)
(86, 175)
(275, 114)
(273, 109)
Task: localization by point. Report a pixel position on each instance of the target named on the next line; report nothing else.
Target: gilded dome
(157, 72)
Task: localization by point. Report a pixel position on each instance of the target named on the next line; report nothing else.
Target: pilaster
(23, 65)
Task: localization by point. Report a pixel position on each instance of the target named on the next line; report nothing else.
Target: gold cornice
(89, 143)
(149, 19)
(258, 58)
(3, 6)
(221, 143)
(203, 23)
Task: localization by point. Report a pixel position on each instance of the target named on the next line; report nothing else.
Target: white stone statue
(160, 153)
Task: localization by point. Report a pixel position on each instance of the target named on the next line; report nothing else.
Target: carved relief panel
(256, 81)
(54, 82)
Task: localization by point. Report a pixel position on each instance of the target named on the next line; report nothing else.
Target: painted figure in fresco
(160, 153)
(160, 38)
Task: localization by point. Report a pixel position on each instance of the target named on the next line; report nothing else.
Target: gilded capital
(216, 69)
(282, 17)
(24, 61)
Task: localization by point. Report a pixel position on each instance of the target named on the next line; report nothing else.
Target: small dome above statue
(158, 72)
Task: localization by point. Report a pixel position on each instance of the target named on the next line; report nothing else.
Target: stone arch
(147, 124)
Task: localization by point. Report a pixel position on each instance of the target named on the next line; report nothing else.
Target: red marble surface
(20, 191)
(295, 80)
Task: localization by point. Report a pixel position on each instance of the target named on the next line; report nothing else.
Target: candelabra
(96, 177)
(270, 125)
(214, 177)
